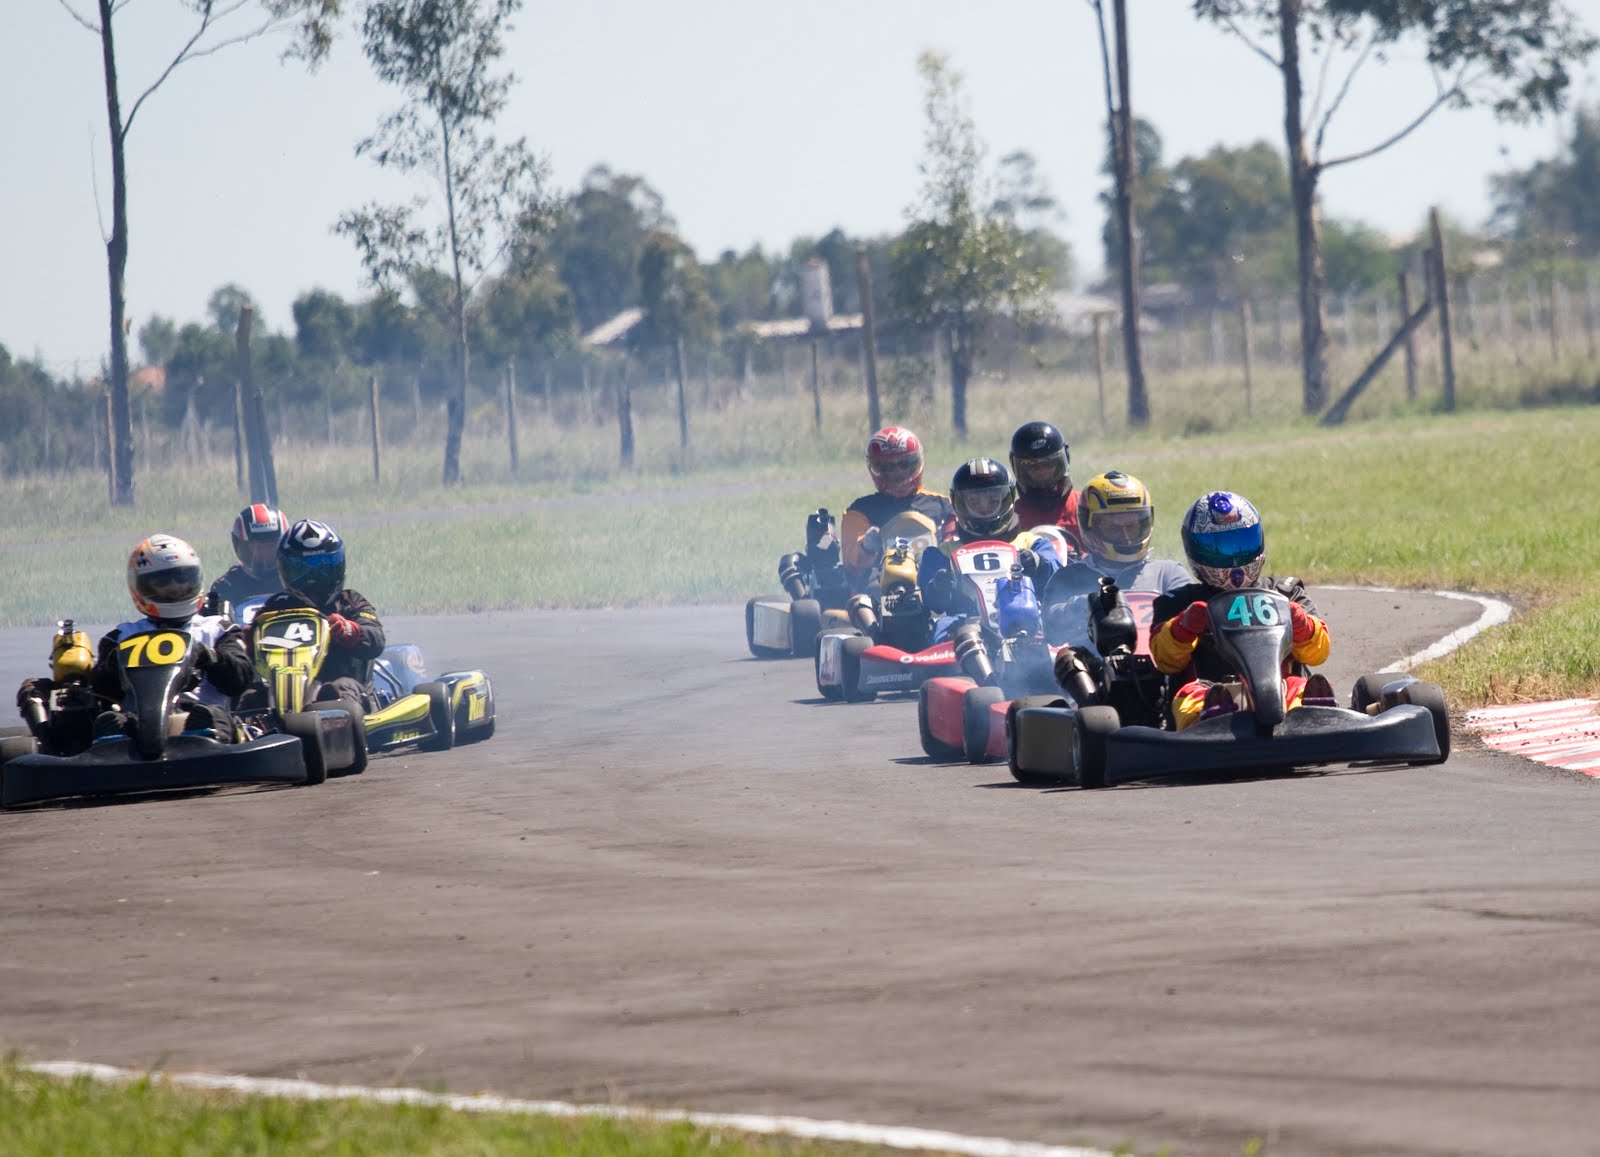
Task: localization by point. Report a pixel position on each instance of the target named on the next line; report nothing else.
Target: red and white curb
(1565, 733)
(886, 1136)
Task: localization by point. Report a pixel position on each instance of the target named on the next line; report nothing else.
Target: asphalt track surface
(676, 878)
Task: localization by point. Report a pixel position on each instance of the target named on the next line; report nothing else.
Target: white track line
(1495, 612)
(888, 1136)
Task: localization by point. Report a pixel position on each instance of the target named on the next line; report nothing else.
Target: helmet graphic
(255, 538)
(1117, 517)
(165, 579)
(894, 459)
(985, 498)
(1224, 541)
(311, 562)
(1040, 460)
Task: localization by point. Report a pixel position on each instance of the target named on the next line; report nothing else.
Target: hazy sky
(758, 122)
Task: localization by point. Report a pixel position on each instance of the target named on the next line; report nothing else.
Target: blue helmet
(311, 562)
(1224, 541)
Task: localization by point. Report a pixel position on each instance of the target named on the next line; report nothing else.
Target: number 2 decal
(1262, 606)
(159, 650)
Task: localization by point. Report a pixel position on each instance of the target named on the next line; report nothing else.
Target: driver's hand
(872, 542)
(1192, 622)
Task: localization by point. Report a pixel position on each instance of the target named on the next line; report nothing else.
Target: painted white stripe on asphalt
(1573, 707)
(1495, 612)
(889, 1136)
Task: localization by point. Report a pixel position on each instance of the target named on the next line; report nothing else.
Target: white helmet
(165, 579)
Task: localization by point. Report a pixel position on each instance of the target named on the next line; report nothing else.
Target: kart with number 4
(1391, 718)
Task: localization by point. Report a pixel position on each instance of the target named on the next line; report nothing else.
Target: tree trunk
(960, 348)
(683, 400)
(1138, 396)
(1303, 174)
(117, 267)
(625, 417)
(456, 408)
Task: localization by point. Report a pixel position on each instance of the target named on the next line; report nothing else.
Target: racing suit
(938, 582)
(238, 585)
(876, 509)
(347, 668)
(1177, 649)
(227, 671)
(1066, 598)
(1037, 508)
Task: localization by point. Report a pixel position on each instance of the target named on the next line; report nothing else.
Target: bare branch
(210, 14)
(79, 17)
(1444, 97)
(1344, 90)
(1232, 26)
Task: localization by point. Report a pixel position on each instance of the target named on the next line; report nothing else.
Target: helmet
(1040, 460)
(894, 459)
(1223, 539)
(1117, 517)
(165, 579)
(311, 562)
(255, 538)
(985, 498)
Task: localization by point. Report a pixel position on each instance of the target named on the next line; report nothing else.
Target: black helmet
(311, 562)
(1040, 460)
(985, 498)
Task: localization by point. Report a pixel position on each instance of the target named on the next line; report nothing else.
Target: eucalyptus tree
(959, 264)
(214, 26)
(1511, 55)
(491, 209)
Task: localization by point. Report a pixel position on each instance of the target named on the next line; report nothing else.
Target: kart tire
(829, 694)
(850, 652)
(931, 747)
(975, 705)
(440, 715)
(750, 635)
(358, 723)
(1022, 775)
(466, 733)
(1369, 690)
(805, 624)
(1431, 696)
(1090, 726)
(14, 746)
(305, 727)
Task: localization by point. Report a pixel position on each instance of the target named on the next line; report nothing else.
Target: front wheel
(1431, 697)
(932, 747)
(440, 715)
(307, 728)
(850, 652)
(976, 709)
(1091, 726)
(805, 624)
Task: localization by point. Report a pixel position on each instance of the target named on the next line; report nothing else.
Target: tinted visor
(260, 557)
(896, 469)
(317, 577)
(985, 503)
(174, 585)
(1042, 473)
(1227, 548)
(1124, 528)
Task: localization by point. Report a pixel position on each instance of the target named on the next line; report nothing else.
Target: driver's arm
(105, 679)
(232, 673)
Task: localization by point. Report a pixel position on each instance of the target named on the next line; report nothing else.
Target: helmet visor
(1042, 473)
(1226, 549)
(317, 577)
(174, 585)
(986, 502)
(1124, 529)
(897, 469)
(260, 557)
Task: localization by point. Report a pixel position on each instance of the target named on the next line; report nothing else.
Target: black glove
(1028, 561)
(940, 592)
(205, 656)
(31, 689)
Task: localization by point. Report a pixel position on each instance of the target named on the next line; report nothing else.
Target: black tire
(1090, 726)
(750, 635)
(1369, 690)
(931, 747)
(1035, 776)
(850, 653)
(830, 694)
(1431, 696)
(975, 705)
(358, 724)
(305, 727)
(1011, 729)
(440, 715)
(465, 732)
(14, 746)
(805, 624)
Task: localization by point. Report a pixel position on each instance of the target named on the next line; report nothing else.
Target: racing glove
(1028, 561)
(1192, 622)
(1303, 624)
(204, 656)
(344, 632)
(940, 592)
(872, 542)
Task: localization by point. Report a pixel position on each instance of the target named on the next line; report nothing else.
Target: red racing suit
(1038, 509)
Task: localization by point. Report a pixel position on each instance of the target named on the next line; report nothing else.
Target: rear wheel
(307, 728)
(805, 623)
(466, 731)
(1091, 726)
(14, 746)
(976, 707)
(831, 693)
(850, 652)
(1430, 696)
(931, 747)
(1038, 749)
(440, 715)
(358, 733)
(1369, 690)
(758, 651)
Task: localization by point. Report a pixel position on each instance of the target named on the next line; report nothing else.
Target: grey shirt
(1066, 596)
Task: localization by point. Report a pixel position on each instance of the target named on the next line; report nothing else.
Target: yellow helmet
(1117, 517)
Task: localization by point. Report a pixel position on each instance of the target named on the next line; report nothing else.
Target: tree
(1512, 55)
(1025, 199)
(216, 26)
(678, 309)
(959, 264)
(158, 337)
(440, 53)
(597, 242)
(1551, 205)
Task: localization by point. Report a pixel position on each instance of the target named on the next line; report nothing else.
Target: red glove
(344, 632)
(1303, 622)
(1192, 622)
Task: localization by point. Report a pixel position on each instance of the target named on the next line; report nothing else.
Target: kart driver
(1225, 544)
(985, 501)
(311, 569)
(894, 459)
(1042, 467)
(1117, 517)
(256, 534)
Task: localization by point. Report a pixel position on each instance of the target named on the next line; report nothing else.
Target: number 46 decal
(1263, 607)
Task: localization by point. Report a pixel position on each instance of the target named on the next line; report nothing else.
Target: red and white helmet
(165, 579)
(894, 458)
(256, 533)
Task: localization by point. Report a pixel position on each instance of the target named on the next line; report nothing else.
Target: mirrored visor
(1228, 548)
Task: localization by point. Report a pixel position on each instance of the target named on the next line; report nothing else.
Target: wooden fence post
(511, 413)
(816, 386)
(625, 414)
(377, 432)
(1100, 364)
(1247, 331)
(683, 401)
(1411, 345)
(1442, 303)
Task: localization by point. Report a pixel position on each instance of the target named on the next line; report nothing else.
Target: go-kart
(1391, 719)
(290, 645)
(1004, 655)
(60, 758)
(815, 592)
